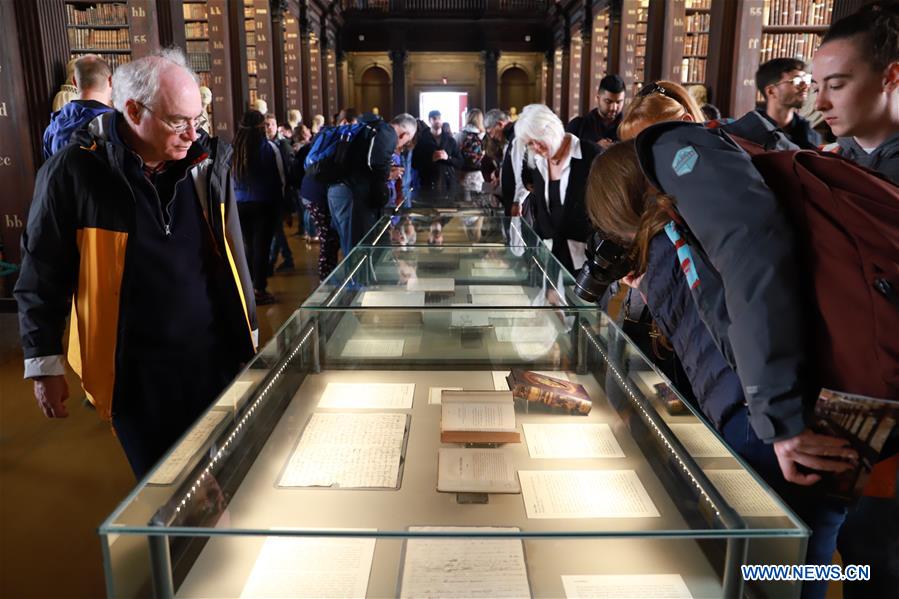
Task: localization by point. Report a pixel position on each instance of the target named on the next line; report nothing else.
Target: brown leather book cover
(551, 392)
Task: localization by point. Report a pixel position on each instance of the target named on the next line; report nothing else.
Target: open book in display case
(316, 472)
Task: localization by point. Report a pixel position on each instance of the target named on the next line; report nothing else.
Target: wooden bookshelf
(697, 23)
(575, 62)
(633, 40)
(197, 46)
(221, 78)
(599, 48)
(642, 33)
(99, 28)
(793, 28)
(249, 13)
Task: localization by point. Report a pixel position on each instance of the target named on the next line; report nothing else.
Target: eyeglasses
(179, 127)
(798, 80)
(651, 88)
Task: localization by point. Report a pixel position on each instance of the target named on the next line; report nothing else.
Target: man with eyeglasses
(784, 84)
(134, 225)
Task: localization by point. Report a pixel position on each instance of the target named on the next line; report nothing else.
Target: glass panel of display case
(418, 229)
(318, 467)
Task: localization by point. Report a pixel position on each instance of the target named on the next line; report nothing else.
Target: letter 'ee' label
(684, 161)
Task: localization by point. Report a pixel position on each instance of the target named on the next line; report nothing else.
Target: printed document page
(464, 568)
(348, 450)
(626, 586)
(311, 567)
(234, 394)
(743, 493)
(496, 290)
(699, 441)
(390, 299)
(434, 394)
(169, 470)
(381, 396)
(487, 411)
(585, 494)
(571, 441)
(437, 285)
(373, 348)
(475, 471)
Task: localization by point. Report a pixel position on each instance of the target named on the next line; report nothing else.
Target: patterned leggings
(329, 243)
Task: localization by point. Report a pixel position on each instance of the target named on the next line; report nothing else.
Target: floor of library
(60, 478)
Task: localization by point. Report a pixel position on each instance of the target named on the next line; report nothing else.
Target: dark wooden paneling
(575, 74)
(627, 65)
(398, 76)
(745, 58)
(143, 21)
(277, 61)
(265, 80)
(719, 68)
(292, 64)
(43, 43)
(170, 16)
(238, 53)
(17, 166)
(223, 81)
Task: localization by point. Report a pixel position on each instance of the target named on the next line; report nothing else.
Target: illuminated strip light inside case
(227, 444)
(655, 427)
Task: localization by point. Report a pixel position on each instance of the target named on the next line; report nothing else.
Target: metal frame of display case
(179, 519)
(455, 229)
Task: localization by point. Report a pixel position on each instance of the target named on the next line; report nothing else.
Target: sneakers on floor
(264, 298)
(285, 267)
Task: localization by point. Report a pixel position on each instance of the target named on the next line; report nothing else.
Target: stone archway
(515, 89)
(374, 91)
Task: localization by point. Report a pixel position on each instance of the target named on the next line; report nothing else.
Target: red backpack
(847, 223)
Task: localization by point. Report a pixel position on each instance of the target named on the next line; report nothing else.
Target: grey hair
(139, 80)
(538, 123)
(406, 121)
(494, 116)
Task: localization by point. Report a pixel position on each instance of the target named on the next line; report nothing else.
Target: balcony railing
(446, 7)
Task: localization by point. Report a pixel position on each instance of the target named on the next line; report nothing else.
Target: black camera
(606, 263)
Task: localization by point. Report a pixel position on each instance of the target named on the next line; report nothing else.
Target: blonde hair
(318, 121)
(538, 123)
(665, 101)
(476, 118)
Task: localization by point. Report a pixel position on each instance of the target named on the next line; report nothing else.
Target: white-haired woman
(560, 163)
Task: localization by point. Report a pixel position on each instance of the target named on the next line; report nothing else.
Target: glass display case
(417, 229)
(435, 202)
(337, 463)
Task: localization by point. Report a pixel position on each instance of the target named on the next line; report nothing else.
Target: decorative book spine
(531, 394)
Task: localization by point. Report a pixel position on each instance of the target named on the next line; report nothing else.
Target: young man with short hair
(600, 125)
(784, 84)
(93, 80)
(856, 76)
(857, 81)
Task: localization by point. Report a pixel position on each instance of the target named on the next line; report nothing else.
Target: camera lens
(606, 263)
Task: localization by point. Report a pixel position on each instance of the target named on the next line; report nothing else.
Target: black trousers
(158, 398)
(257, 222)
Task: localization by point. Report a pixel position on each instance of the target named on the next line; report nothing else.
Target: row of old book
(797, 12)
(101, 14)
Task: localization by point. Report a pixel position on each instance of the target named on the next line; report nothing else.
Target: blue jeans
(279, 244)
(821, 515)
(351, 214)
(340, 202)
(870, 536)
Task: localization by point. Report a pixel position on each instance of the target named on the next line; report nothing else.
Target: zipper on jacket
(886, 289)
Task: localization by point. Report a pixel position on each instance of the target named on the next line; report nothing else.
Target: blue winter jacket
(70, 118)
(266, 182)
(716, 386)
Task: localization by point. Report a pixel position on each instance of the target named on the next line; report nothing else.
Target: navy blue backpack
(330, 158)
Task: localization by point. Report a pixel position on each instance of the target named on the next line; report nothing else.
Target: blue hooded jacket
(70, 118)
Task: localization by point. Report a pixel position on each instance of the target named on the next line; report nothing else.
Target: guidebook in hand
(869, 424)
